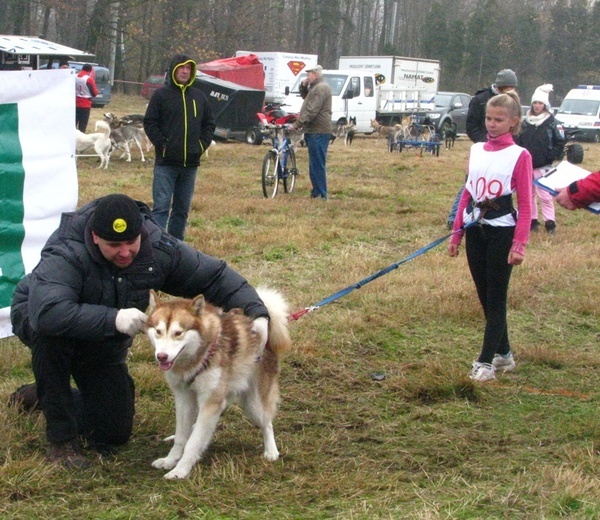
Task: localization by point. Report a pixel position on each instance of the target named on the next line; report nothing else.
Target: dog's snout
(162, 357)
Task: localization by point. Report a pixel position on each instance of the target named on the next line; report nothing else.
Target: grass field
(377, 419)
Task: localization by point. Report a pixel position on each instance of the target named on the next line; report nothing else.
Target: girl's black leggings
(487, 249)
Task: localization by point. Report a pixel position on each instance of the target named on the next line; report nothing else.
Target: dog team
(114, 133)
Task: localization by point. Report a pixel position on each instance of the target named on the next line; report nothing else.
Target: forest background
(551, 41)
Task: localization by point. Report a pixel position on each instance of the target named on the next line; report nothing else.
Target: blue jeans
(172, 192)
(317, 145)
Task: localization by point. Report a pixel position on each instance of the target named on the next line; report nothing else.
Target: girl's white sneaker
(482, 372)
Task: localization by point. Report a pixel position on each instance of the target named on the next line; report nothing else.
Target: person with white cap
(544, 137)
(506, 81)
(315, 120)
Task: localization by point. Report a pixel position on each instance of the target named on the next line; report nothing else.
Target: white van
(580, 110)
(353, 94)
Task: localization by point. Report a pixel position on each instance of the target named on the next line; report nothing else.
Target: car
(101, 78)
(151, 84)
(450, 107)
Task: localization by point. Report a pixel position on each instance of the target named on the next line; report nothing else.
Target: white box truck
(402, 72)
(356, 94)
(281, 70)
(580, 110)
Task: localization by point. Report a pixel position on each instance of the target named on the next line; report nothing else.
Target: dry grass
(423, 442)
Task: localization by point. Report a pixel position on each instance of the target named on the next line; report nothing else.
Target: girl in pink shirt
(496, 169)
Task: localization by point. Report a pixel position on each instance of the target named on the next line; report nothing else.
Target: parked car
(151, 84)
(450, 107)
(101, 78)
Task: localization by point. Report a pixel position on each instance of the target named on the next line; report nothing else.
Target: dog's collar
(205, 360)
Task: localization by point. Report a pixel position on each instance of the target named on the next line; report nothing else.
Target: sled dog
(450, 134)
(384, 131)
(211, 358)
(99, 142)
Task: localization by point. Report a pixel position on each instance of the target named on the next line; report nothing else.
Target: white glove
(130, 321)
(260, 326)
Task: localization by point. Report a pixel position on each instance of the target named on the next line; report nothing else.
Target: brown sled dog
(209, 359)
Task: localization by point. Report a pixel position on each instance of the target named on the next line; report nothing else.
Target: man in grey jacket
(315, 120)
(80, 308)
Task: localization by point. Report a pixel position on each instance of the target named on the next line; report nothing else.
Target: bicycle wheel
(289, 180)
(270, 179)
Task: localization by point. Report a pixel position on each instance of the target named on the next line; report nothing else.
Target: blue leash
(365, 281)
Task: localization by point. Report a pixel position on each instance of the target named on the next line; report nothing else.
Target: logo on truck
(296, 66)
(424, 79)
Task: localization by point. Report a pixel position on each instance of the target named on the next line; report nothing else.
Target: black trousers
(82, 116)
(487, 254)
(104, 409)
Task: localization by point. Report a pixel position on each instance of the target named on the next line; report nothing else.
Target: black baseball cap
(117, 218)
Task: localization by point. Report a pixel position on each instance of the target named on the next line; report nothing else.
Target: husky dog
(386, 132)
(209, 359)
(99, 142)
(131, 119)
(126, 130)
(341, 129)
(350, 131)
(450, 135)
(124, 135)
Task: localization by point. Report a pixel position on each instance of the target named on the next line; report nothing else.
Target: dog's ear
(154, 301)
(199, 305)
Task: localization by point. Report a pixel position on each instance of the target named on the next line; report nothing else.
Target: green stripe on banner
(12, 178)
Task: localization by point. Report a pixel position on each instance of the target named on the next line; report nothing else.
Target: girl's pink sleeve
(522, 182)
(458, 232)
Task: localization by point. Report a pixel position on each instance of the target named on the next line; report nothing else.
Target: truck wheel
(575, 153)
(597, 137)
(254, 136)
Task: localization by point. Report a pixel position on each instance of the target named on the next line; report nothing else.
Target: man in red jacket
(85, 90)
(581, 193)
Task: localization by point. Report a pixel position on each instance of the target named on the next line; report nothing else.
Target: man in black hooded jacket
(82, 305)
(180, 125)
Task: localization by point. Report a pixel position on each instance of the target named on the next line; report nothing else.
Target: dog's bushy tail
(279, 333)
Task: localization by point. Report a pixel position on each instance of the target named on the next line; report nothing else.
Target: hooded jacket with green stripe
(178, 120)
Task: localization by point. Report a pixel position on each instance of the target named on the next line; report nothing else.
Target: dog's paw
(271, 455)
(164, 463)
(177, 473)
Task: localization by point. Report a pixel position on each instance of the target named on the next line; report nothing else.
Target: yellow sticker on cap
(119, 225)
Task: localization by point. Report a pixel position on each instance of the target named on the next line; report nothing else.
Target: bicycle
(279, 163)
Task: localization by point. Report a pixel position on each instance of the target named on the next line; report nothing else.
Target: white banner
(38, 173)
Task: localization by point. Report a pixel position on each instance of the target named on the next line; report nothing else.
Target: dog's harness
(205, 360)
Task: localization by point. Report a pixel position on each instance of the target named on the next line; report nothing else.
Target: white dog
(99, 142)
(211, 358)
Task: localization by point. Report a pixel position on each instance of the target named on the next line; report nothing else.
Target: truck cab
(352, 95)
(580, 110)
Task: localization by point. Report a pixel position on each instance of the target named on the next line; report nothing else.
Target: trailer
(31, 53)
(281, 71)
(234, 106)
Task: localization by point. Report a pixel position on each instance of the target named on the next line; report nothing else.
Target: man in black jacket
(180, 125)
(83, 303)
